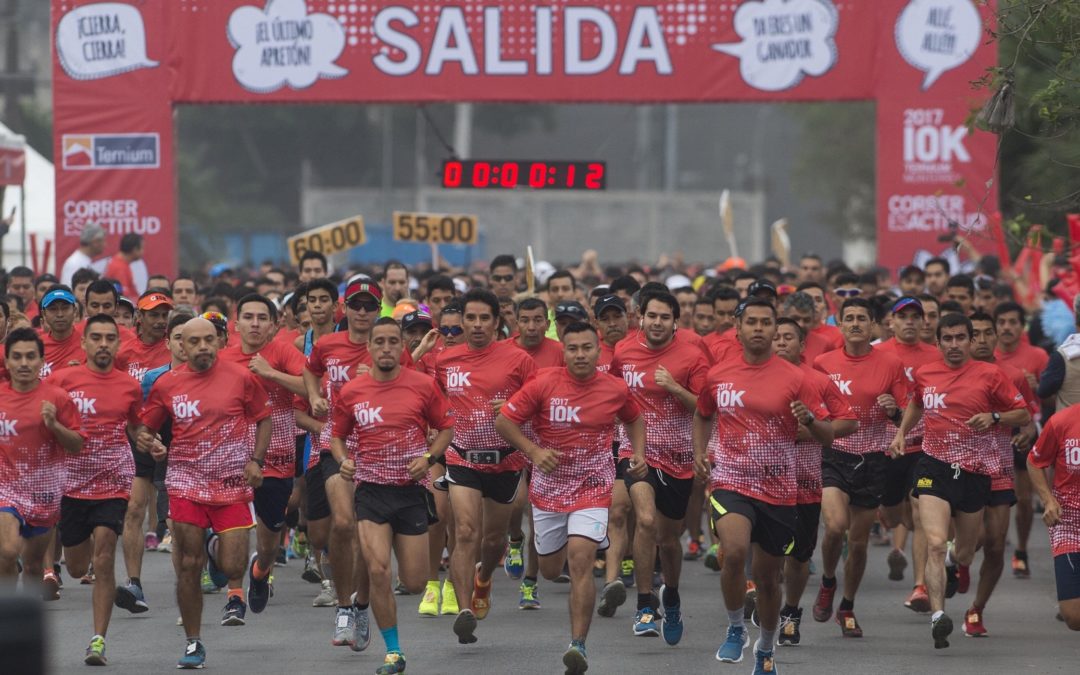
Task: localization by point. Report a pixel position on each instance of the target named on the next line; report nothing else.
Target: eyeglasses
(448, 331)
(848, 292)
(357, 304)
(502, 278)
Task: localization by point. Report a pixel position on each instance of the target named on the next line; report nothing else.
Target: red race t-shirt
(576, 418)
(472, 379)
(831, 334)
(107, 403)
(808, 465)
(548, 355)
(950, 397)
(1025, 358)
(607, 355)
(1058, 446)
(60, 354)
(212, 413)
(136, 357)
(755, 450)
(32, 463)
(385, 423)
(912, 356)
(861, 379)
(722, 346)
(668, 424)
(1003, 480)
(284, 358)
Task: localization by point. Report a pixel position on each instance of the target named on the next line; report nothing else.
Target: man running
(573, 412)
(483, 472)
(962, 400)
(381, 420)
(213, 464)
(854, 468)
(761, 401)
(665, 376)
(789, 343)
(61, 336)
(279, 367)
(98, 478)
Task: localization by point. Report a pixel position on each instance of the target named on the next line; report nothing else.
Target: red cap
(148, 302)
(363, 286)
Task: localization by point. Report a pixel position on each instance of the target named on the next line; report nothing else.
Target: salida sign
(114, 96)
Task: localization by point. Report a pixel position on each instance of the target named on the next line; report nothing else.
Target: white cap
(543, 271)
(678, 281)
(461, 286)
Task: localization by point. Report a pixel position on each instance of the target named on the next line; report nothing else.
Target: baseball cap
(363, 286)
(906, 302)
(606, 301)
(90, 233)
(58, 295)
(759, 286)
(152, 300)
(678, 281)
(571, 308)
(417, 318)
(126, 302)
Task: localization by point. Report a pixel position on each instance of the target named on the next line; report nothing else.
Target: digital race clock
(486, 174)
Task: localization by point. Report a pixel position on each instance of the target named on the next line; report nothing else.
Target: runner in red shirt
(38, 425)
(1002, 495)
(854, 469)
(800, 307)
(532, 325)
(1012, 349)
(665, 376)
(573, 411)
(1058, 448)
(483, 472)
(381, 421)
(725, 300)
(101, 297)
(761, 401)
(611, 322)
(278, 365)
(789, 342)
(98, 478)
(963, 400)
(59, 334)
(214, 462)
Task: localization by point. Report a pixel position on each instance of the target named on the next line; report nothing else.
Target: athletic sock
(735, 618)
(644, 600)
(766, 641)
(671, 596)
(937, 615)
(390, 637)
(260, 573)
(1020, 555)
(360, 608)
(516, 543)
(530, 580)
(846, 605)
(788, 609)
(828, 582)
(136, 581)
(235, 593)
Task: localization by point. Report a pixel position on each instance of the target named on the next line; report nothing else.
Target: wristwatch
(260, 462)
(996, 417)
(430, 458)
(810, 420)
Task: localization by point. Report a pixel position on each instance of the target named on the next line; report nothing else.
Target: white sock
(937, 615)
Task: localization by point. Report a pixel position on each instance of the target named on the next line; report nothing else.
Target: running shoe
(327, 596)
(788, 635)
(207, 584)
(613, 595)
(574, 658)
(714, 558)
(194, 657)
(88, 578)
(1020, 567)
(131, 598)
(734, 645)
(481, 596)
(940, 630)
(220, 579)
(849, 625)
(963, 578)
(393, 663)
(973, 623)
(823, 604)
(429, 604)
(363, 629)
(344, 628)
(750, 601)
(645, 623)
(50, 586)
(282, 558)
(599, 569)
(672, 625)
(465, 627)
(693, 550)
(626, 572)
(150, 541)
(95, 653)
(764, 663)
(514, 564)
(897, 563)
(919, 600)
(234, 612)
(299, 545)
(311, 573)
(530, 595)
(879, 536)
(165, 545)
(564, 576)
(258, 589)
(952, 580)
(449, 599)
(58, 571)
(400, 588)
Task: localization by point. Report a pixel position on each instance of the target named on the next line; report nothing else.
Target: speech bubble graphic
(783, 41)
(938, 35)
(102, 40)
(283, 44)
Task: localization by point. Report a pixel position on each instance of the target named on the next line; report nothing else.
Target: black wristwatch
(260, 462)
(996, 417)
(810, 419)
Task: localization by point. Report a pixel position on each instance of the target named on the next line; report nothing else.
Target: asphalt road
(291, 636)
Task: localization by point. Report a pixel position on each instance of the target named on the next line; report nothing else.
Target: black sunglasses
(451, 330)
(357, 304)
(502, 277)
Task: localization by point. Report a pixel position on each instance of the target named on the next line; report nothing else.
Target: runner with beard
(532, 324)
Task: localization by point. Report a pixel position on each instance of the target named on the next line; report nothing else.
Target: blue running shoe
(194, 657)
(645, 623)
(732, 649)
(671, 625)
(258, 589)
(574, 659)
(764, 663)
(131, 598)
(220, 579)
(234, 612)
(514, 565)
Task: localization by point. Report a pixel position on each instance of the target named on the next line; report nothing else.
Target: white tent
(40, 213)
